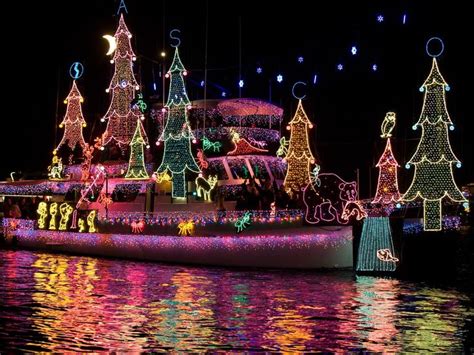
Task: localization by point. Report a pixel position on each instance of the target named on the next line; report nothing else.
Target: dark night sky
(347, 107)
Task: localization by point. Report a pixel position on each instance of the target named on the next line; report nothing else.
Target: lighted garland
(433, 160)
(177, 135)
(73, 121)
(222, 133)
(121, 117)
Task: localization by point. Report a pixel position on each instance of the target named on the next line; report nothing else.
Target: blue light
(380, 18)
(398, 205)
(279, 78)
(315, 78)
(300, 60)
(404, 19)
(154, 86)
(407, 166)
(414, 127)
(448, 88)
(259, 70)
(340, 67)
(223, 94)
(451, 128)
(374, 67)
(202, 83)
(76, 70)
(458, 164)
(354, 50)
(241, 83)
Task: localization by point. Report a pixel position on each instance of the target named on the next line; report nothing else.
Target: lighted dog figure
(43, 214)
(65, 210)
(138, 227)
(203, 164)
(386, 255)
(56, 168)
(243, 222)
(204, 187)
(91, 221)
(53, 211)
(186, 228)
(388, 124)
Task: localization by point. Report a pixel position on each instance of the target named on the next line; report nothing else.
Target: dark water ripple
(70, 303)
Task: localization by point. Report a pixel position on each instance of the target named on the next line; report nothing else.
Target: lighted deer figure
(43, 213)
(186, 227)
(65, 210)
(204, 187)
(53, 211)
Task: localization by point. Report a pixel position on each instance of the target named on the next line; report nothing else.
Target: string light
(242, 146)
(298, 156)
(73, 121)
(205, 186)
(332, 200)
(136, 164)
(376, 252)
(387, 185)
(177, 135)
(433, 160)
(56, 168)
(121, 117)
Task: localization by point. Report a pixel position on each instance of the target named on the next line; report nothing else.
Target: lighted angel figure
(388, 124)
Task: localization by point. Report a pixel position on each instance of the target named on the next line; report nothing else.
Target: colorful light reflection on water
(70, 303)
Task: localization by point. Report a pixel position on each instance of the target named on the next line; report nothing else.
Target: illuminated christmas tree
(298, 156)
(136, 164)
(121, 117)
(177, 135)
(387, 186)
(73, 121)
(433, 160)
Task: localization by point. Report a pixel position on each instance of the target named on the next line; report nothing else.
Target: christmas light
(243, 222)
(380, 18)
(53, 211)
(298, 156)
(43, 214)
(56, 168)
(205, 186)
(136, 164)
(433, 160)
(186, 228)
(208, 145)
(387, 185)
(259, 70)
(242, 146)
(258, 134)
(65, 210)
(340, 67)
(334, 200)
(177, 135)
(121, 117)
(279, 78)
(73, 121)
(376, 252)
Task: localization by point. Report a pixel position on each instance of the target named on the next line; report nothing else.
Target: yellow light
(163, 54)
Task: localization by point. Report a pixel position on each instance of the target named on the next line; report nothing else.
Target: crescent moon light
(112, 43)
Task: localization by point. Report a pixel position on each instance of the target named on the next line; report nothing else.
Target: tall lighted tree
(433, 160)
(136, 164)
(298, 156)
(177, 135)
(73, 121)
(121, 117)
(387, 186)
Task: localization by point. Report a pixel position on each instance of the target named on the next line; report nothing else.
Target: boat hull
(302, 248)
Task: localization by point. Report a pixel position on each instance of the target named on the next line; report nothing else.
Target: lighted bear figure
(335, 200)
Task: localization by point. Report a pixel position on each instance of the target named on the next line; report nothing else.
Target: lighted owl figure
(388, 124)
